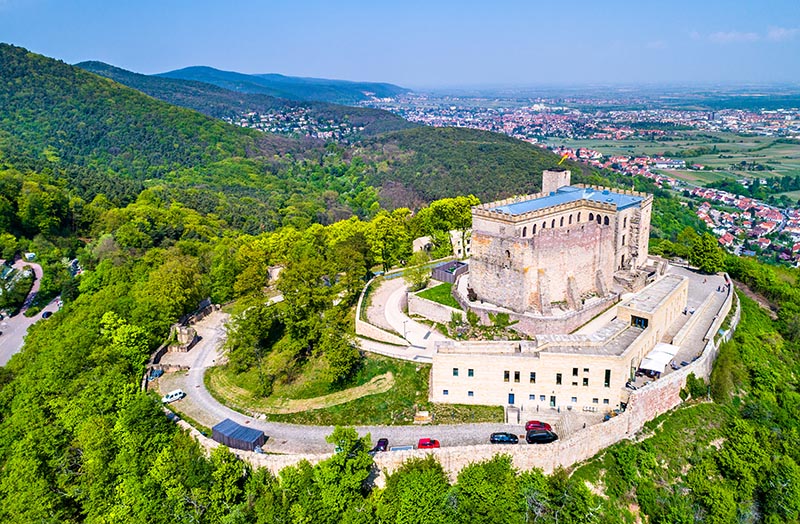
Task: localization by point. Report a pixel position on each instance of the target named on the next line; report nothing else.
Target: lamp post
(404, 329)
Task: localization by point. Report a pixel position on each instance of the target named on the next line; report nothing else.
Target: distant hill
(103, 135)
(419, 165)
(219, 102)
(289, 87)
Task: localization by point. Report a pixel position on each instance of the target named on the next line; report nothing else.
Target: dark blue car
(503, 438)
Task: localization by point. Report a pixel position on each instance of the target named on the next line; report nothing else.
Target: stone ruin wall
(528, 274)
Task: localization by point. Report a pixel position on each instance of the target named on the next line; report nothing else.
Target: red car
(427, 443)
(535, 424)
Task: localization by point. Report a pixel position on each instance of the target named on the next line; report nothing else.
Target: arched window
(544, 225)
(579, 216)
(605, 221)
(591, 217)
(570, 219)
(562, 222)
(524, 231)
(533, 232)
(625, 222)
(599, 219)
(553, 223)
(508, 253)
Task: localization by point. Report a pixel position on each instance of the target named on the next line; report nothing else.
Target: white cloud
(733, 37)
(778, 34)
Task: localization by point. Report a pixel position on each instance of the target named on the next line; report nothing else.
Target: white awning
(659, 357)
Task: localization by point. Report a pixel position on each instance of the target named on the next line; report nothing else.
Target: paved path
(15, 328)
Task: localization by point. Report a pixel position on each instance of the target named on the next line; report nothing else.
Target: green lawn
(396, 406)
(441, 294)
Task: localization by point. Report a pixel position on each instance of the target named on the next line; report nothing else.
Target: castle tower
(553, 179)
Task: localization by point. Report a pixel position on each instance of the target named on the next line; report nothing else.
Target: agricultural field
(722, 152)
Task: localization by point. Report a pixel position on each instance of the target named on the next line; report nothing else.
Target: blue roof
(231, 429)
(568, 194)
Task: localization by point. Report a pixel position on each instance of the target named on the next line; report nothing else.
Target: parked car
(427, 443)
(154, 374)
(381, 445)
(535, 424)
(503, 438)
(47, 314)
(172, 396)
(540, 436)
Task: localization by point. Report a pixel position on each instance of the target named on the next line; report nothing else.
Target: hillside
(292, 88)
(427, 163)
(64, 115)
(219, 102)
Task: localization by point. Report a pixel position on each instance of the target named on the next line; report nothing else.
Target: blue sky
(426, 44)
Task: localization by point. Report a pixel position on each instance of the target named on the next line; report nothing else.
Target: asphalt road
(293, 438)
(15, 328)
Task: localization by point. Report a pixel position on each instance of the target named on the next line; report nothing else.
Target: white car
(172, 396)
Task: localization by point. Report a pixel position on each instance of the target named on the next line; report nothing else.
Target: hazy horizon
(449, 45)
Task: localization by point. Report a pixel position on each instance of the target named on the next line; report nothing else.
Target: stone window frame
(516, 376)
(558, 379)
(455, 372)
(533, 377)
(506, 375)
(470, 393)
(470, 372)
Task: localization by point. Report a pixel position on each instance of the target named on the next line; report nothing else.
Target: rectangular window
(531, 397)
(639, 322)
(558, 379)
(542, 398)
(470, 372)
(585, 370)
(533, 377)
(595, 401)
(470, 393)
(455, 372)
(445, 392)
(574, 372)
(506, 374)
(623, 240)
(605, 401)
(585, 381)
(516, 376)
(607, 381)
(574, 400)
(574, 383)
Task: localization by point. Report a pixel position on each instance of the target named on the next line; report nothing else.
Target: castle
(553, 261)
(558, 247)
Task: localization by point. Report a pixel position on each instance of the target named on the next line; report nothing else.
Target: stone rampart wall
(430, 309)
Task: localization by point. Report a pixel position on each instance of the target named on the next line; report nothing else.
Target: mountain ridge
(219, 102)
(345, 92)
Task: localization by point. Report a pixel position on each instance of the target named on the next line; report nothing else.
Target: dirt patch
(241, 399)
(760, 300)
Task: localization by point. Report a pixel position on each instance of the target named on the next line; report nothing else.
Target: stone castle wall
(557, 265)
(431, 310)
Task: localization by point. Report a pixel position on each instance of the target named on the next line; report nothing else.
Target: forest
(169, 218)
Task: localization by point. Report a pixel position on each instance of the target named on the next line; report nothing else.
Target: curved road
(15, 328)
(294, 438)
